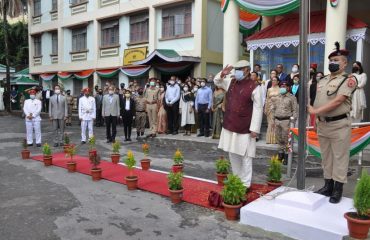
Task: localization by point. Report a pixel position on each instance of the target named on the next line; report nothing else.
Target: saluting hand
(226, 70)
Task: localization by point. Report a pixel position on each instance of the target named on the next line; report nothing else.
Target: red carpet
(195, 191)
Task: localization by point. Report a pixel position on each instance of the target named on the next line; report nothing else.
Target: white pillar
(251, 57)
(153, 30)
(336, 28)
(360, 50)
(231, 34)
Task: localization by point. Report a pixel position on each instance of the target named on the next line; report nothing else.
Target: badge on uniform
(351, 82)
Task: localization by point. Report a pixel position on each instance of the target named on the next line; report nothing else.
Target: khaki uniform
(70, 106)
(283, 108)
(335, 136)
(140, 120)
(151, 97)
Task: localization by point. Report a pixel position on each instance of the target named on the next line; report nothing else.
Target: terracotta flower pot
(92, 152)
(232, 212)
(65, 147)
(25, 154)
(358, 228)
(48, 160)
(145, 164)
(177, 168)
(274, 184)
(131, 182)
(96, 174)
(71, 166)
(115, 157)
(176, 195)
(221, 178)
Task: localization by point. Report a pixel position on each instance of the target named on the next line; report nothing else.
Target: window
(73, 2)
(54, 5)
(176, 21)
(36, 7)
(139, 28)
(37, 45)
(54, 43)
(79, 39)
(109, 33)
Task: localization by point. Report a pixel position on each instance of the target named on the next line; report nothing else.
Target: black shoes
(337, 193)
(38, 145)
(327, 189)
(109, 141)
(83, 142)
(175, 133)
(30, 145)
(285, 160)
(200, 135)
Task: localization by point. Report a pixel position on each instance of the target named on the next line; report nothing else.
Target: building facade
(81, 43)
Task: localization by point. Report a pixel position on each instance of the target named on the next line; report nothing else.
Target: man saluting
(242, 119)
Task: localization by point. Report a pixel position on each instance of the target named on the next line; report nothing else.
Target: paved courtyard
(38, 203)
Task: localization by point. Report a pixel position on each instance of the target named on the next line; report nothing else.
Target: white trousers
(33, 126)
(86, 124)
(242, 167)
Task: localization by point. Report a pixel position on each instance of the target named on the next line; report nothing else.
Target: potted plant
(274, 172)
(46, 151)
(145, 163)
(25, 152)
(70, 152)
(222, 169)
(115, 156)
(66, 142)
(359, 222)
(92, 146)
(178, 159)
(233, 195)
(95, 170)
(175, 186)
(131, 179)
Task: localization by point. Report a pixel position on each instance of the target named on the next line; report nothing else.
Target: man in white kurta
(242, 119)
(32, 110)
(87, 114)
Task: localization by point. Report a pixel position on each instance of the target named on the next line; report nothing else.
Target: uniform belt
(331, 119)
(282, 118)
(140, 111)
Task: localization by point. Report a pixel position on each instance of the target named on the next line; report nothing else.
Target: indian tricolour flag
(334, 3)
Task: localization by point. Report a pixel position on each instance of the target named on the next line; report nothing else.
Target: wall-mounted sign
(334, 3)
(132, 55)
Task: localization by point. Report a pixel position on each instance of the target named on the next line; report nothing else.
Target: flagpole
(304, 62)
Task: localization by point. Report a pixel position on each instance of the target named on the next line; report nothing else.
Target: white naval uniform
(87, 114)
(34, 107)
(241, 147)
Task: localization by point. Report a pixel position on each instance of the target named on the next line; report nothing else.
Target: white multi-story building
(88, 42)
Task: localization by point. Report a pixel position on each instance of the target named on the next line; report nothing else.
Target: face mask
(202, 84)
(294, 69)
(186, 89)
(178, 81)
(127, 95)
(355, 69)
(68, 93)
(152, 83)
(157, 86)
(295, 81)
(172, 82)
(110, 92)
(57, 91)
(318, 78)
(283, 91)
(333, 67)
(239, 75)
(32, 96)
(195, 89)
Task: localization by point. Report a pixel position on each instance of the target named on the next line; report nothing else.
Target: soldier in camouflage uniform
(69, 99)
(284, 110)
(140, 119)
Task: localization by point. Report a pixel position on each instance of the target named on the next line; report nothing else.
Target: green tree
(11, 8)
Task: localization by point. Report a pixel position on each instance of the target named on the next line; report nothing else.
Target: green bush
(46, 150)
(92, 143)
(130, 160)
(274, 174)
(361, 198)
(234, 190)
(24, 144)
(116, 146)
(178, 158)
(222, 166)
(66, 139)
(95, 160)
(175, 180)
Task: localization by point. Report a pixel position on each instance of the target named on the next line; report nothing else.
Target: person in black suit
(46, 95)
(281, 75)
(99, 105)
(290, 77)
(127, 113)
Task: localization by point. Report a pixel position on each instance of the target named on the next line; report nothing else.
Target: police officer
(69, 99)
(140, 116)
(332, 106)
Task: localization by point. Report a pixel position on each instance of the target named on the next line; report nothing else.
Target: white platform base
(300, 215)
